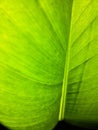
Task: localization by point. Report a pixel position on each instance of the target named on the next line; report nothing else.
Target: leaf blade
(82, 82)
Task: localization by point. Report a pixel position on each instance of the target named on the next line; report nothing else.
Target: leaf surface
(48, 62)
(82, 88)
(33, 43)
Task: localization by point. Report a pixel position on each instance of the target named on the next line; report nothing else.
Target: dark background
(62, 125)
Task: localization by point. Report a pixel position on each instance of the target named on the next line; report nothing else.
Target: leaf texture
(48, 63)
(33, 43)
(82, 88)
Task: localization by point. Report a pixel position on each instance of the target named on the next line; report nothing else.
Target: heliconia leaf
(48, 63)
(33, 38)
(82, 87)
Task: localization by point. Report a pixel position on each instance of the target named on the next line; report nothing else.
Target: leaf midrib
(66, 71)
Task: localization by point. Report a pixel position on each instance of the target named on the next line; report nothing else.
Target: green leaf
(79, 101)
(48, 63)
(82, 87)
